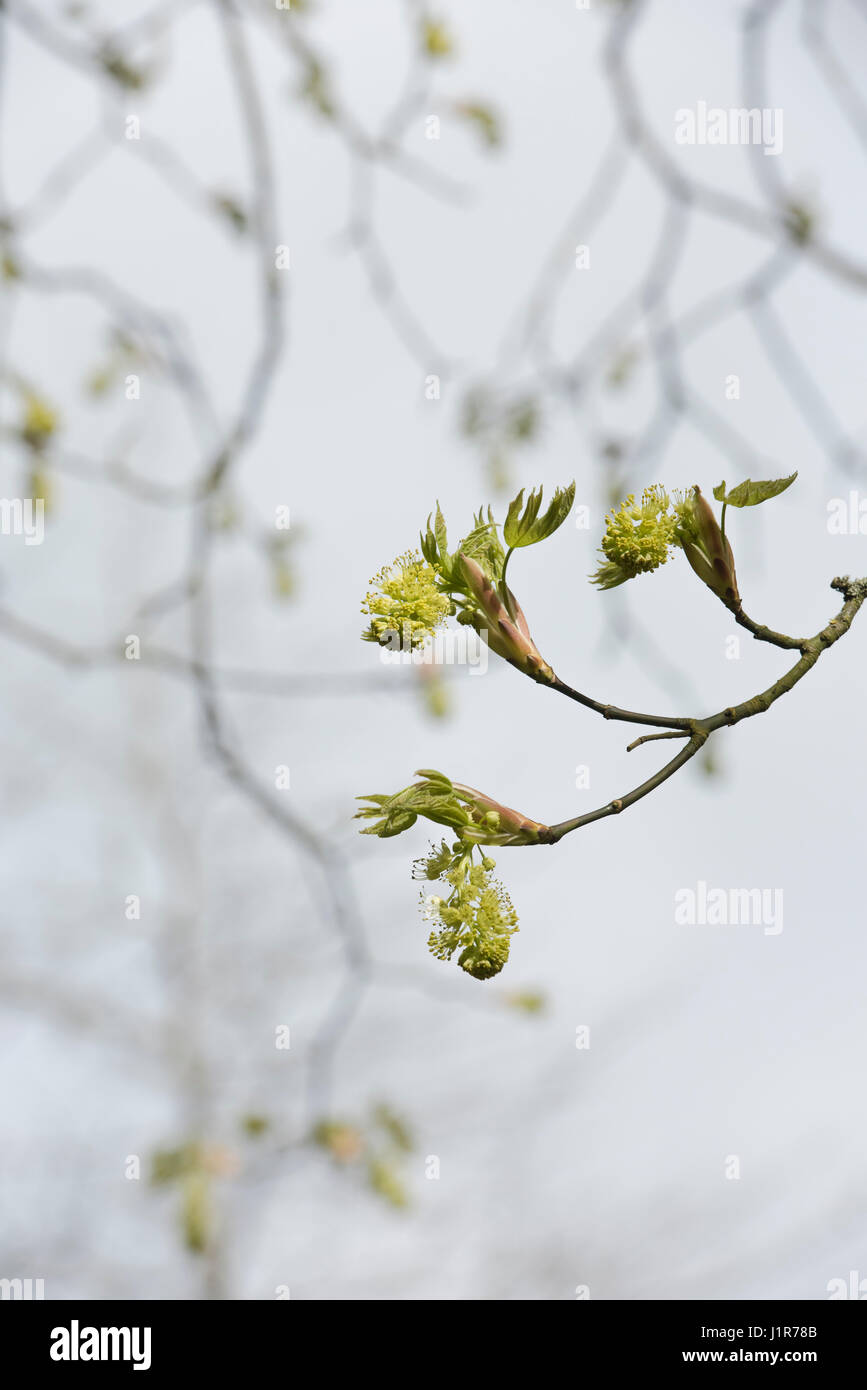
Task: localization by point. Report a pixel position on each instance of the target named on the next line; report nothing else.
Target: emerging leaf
(441, 534)
(433, 798)
(524, 526)
(483, 545)
(476, 818)
(750, 494)
(432, 775)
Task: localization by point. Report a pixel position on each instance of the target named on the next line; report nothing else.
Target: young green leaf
(434, 547)
(440, 532)
(483, 546)
(432, 775)
(750, 494)
(524, 526)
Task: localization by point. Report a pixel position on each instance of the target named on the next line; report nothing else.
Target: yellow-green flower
(405, 607)
(638, 538)
(434, 864)
(477, 919)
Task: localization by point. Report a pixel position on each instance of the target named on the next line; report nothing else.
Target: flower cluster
(475, 575)
(473, 913)
(638, 538)
(405, 601)
(413, 596)
(476, 919)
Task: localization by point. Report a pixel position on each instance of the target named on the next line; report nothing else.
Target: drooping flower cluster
(473, 913)
(405, 606)
(476, 919)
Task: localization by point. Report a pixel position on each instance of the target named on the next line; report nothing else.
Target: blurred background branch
(249, 251)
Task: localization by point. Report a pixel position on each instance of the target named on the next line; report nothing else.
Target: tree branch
(854, 591)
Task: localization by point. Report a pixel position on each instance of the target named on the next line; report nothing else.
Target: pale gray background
(559, 1167)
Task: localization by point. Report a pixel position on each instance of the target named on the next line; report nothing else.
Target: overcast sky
(560, 1166)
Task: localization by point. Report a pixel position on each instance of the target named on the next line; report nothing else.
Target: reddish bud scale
(518, 829)
(508, 632)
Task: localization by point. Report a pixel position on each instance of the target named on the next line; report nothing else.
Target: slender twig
(620, 803)
(648, 738)
(765, 634)
(627, 716)
(854, 591)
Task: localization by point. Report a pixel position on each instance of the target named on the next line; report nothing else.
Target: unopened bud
(507, 629)
(497, 824)
(706, 548)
